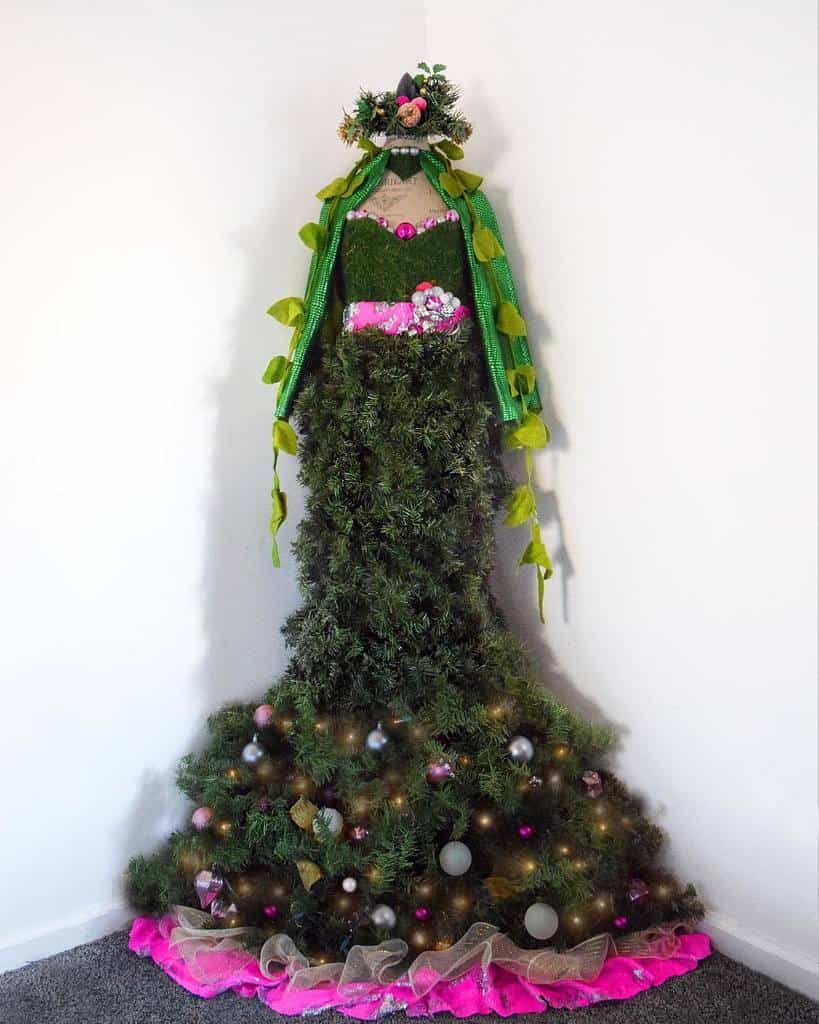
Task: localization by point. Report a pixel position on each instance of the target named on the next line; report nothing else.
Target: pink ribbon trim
(477, 992)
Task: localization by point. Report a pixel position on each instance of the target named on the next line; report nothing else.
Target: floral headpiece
(423, 105)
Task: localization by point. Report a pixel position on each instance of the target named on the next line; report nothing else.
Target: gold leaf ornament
(309, 873)
(302, 812)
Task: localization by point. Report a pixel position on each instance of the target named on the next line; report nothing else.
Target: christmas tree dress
(407, 819)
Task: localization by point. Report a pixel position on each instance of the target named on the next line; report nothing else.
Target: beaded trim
(405, 230)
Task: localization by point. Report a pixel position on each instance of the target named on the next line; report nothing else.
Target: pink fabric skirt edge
(500, 992)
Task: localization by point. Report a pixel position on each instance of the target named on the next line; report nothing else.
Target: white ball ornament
(383, 916)
(349, 884)
(455, 859)
(377, 739)
(521, 749)
(329, 818)
(541, 921)
(253, 752)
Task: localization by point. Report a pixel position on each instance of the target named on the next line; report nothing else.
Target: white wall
(656, 176)
(653, 169)
(157, 162)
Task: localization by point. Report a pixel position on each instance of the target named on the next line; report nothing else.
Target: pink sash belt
(432, 310)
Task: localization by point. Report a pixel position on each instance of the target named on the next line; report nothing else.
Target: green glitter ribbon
(498, 360)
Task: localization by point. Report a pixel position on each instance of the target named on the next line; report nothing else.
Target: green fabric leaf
(531, 432)
(289, 311)
(450, 149)
(284, 437)
(451, 185)
(535, 553)
(485, 243)
(438, 67)
(356, 183)
(368, 147)
(521, 506)
(276, 369)
(521, 380)
(335, 188)
(510, 321)
(313, 235)
(278, 514)
(469, 181)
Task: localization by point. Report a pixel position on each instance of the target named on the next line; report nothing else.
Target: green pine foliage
(399, 457)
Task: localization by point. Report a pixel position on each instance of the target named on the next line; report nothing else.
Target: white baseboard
(793, 969)
(36, 943)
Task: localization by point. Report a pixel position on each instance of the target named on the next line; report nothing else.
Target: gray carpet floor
(103, 983)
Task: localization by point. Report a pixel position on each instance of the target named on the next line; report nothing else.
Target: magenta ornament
(421, 913)
(358, 833)
(263, 715)
(208, 885)
(264, 804)
(593, 783)
(439, 771)
(637, 891)
(621, 923)
(405, 231)
(201, 818)
(270, 911)
(526, 831)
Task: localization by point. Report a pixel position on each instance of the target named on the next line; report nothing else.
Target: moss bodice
(377, 265)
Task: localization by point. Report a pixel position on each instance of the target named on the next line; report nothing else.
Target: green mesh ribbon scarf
(503, 330)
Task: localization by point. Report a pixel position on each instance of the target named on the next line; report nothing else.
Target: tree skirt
(490, 989)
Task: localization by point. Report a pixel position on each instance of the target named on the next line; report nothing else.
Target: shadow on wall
(246, 598)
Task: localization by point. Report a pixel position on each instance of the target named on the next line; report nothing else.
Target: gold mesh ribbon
(481, 946)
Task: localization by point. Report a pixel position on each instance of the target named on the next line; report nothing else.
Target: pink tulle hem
(499, 991)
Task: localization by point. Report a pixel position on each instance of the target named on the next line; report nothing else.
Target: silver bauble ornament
(349, 884)
(541, 921)
(329, 818)
(383, 917)
(253, 752)
(377, 739)
(520, 749)
(455, 859)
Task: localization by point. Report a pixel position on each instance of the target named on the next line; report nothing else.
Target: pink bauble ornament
(405, 231)
(439, 771)
(271, 911)
(263, 715)
(621, 923)
(201, 818)
(420, 102)
(401, 100)
(421, 914)
(526, 831)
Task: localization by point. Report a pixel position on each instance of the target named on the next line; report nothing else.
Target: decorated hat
(422, 106)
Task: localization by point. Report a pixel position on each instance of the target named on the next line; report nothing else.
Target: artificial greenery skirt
(399, 456)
